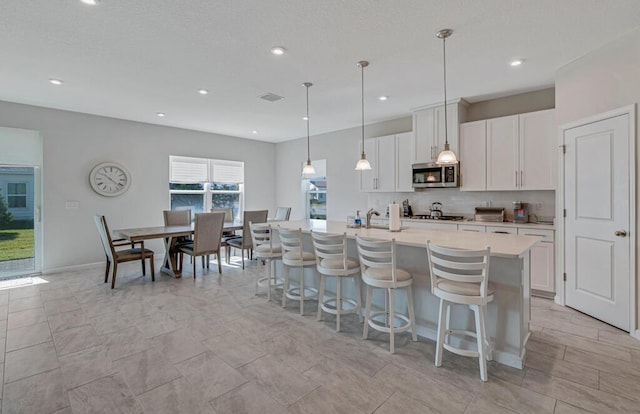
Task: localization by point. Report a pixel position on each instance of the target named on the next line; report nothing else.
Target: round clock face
(110, 179)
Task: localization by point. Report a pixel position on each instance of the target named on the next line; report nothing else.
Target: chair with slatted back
(332, 261)
(121, 256)
(244, 243)
(207, 237)
(461, 277)
(378, 267)
(295, 257)
(266, 249)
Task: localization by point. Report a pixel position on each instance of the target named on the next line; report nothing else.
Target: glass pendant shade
(446, 156)
(363, 164)
(308, 169)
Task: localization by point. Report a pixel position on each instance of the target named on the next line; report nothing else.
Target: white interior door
(597, 226)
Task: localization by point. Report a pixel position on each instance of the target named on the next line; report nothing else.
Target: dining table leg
(170, 263)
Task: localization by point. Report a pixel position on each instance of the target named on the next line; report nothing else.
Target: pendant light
(446, 156)
(363, 163)
(308, 168)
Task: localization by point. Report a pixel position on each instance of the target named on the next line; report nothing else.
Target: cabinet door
(538, 151)
(452, 128)
(386, 164)
(542, 264)
(502, 153)
(430, 225)
(472, 228)
(423, 130)
(473, 156)
(368, 178)
(404, 159)
(502, 230)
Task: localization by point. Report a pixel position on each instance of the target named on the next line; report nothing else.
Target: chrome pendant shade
(363, 163)
(308, 169)
(446, 156)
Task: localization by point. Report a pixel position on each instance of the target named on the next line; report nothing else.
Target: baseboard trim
(54, 270)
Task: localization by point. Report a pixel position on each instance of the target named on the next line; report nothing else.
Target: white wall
(73, 143)
(605, 79)
(341, 149)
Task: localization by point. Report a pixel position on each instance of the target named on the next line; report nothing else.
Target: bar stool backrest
(291, 242)
(457, 265)
(261, 234)
(331, 247)
(377, 254)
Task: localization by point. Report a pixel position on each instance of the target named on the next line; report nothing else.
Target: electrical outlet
(537, 206)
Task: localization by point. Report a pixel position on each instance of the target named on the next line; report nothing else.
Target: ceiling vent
(271, 97)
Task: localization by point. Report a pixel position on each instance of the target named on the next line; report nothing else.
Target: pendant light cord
(308, 144)
(362, 99)
(444, 65)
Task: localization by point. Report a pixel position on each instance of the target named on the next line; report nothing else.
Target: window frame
(24, 195)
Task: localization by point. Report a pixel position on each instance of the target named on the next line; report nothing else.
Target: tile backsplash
(456, 202)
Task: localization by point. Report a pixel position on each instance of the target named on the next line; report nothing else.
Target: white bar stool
(378, 269)
(461, 277)
(332, 261)
(294, 256)
(265, 250)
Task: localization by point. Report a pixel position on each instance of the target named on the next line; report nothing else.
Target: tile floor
(211, 346)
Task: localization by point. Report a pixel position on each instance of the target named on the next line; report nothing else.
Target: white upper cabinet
(538, 151)
(519, 153)
(390, 157)
(404, 158)
(428, 130)
(502, 153)
(473, 156)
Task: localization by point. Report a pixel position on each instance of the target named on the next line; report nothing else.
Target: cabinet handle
(521, 184)
(516, 179)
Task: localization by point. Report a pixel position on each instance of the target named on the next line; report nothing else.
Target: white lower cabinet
(429, 225)
(542, 260)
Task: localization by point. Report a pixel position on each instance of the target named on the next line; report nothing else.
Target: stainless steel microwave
(437, 176)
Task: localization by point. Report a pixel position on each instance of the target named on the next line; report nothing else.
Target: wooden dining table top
(159, 232)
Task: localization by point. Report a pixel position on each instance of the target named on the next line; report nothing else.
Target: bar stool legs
(352, 305)
(390, 316)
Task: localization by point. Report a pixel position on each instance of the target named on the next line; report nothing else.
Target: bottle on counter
(358, 219)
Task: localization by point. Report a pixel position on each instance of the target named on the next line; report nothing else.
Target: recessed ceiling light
(278, 50)
(383, 98)
(517, 62)
(161, 114)
(203, 91)
(304, 118)
(56, 81)
(91, 2)
(254, 132)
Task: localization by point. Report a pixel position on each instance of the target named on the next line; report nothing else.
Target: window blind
(201, 170)
(188, 170)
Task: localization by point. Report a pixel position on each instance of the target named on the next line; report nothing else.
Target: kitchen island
(507, 317)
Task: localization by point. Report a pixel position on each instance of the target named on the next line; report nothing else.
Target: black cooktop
(444, 218)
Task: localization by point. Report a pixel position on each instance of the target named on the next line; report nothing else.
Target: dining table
(169, 235)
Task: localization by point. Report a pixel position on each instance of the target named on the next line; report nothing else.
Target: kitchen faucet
(370, 213)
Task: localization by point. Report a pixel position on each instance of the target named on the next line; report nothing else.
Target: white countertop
(502, 245)
(476, 223)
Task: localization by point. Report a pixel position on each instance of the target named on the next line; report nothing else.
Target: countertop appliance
(436, 210)
(432, 175)
(520, 213)
(489, 214)
(442, 218)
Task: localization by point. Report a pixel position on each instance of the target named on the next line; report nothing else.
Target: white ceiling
(132, 58)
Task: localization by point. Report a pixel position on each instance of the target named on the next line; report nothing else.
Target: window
(317, 198)
(201, 184)
(17, 195)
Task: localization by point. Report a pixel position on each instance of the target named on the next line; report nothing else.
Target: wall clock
(110, 179)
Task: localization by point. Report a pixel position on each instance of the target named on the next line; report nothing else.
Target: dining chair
(121, 256)
(461, 277)
(207, 238)
(378, 267)
(244, 242)
(226, 235)
(282, 213)
(265, 250)
(332, 261)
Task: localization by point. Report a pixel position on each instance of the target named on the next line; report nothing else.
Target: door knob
(621, 233)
